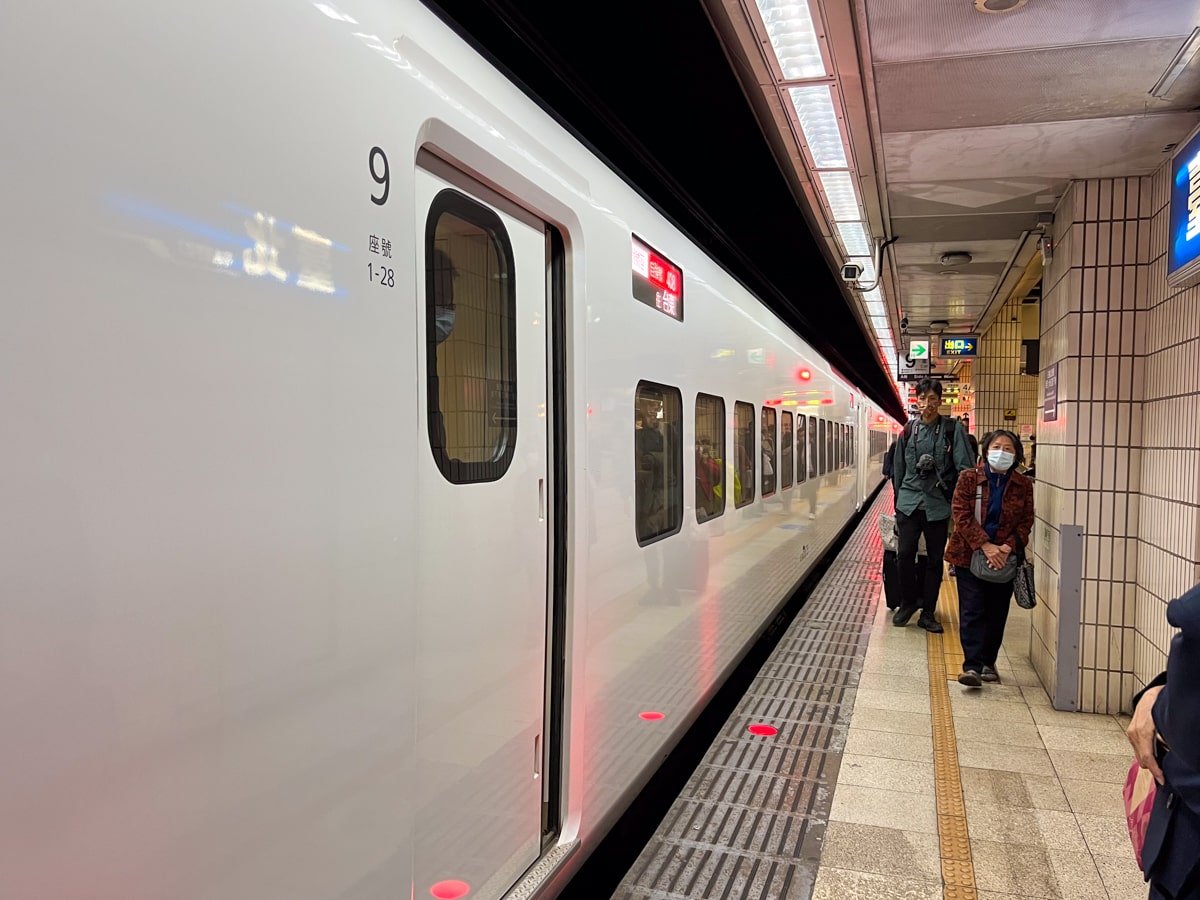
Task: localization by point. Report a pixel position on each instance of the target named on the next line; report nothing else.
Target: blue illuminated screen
(1184, 247)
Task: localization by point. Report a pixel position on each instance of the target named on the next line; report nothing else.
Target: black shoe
(970, 678)
(930, 624)
(903, 614)
(991, 675)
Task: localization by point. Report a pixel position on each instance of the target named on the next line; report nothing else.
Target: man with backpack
(929, 454)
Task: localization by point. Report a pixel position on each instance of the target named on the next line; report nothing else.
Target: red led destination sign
(657, 281)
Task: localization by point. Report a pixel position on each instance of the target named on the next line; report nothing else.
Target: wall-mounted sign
(1010, 415)
(657, 281)
(909, 369)
(918, 349)
(1050, 403)
(960, 345)
(1183, 248)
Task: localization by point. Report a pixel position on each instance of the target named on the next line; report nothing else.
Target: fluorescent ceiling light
(818, 121)
(793, 37)
(1180, 64)
(868, 267)
(843, 199)
(854, 239)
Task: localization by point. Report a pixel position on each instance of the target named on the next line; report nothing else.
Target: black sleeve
(1177, 709)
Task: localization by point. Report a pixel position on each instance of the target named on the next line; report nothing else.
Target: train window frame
(455, 470)
(703, 398)
(772, 455)
(801, 448)
(787, 448)
(740, 500)
(814, 448)
(673, 464)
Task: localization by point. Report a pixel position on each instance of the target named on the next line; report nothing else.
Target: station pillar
(1118, 443)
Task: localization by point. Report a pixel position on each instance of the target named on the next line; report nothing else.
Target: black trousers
(983, 613)
(911, 528)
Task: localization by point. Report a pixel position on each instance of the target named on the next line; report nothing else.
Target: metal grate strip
(751, 819)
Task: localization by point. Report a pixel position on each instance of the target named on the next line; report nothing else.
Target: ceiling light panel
(841, 196)
(819, 123)
(868, 267)
(854, 238)
(793, 38)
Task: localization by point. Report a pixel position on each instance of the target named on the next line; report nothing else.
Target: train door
(484, 495)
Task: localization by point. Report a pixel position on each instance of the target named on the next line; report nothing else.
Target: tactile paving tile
(958, 869)
(751, 819)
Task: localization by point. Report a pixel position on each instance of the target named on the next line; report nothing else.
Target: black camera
(926, 465)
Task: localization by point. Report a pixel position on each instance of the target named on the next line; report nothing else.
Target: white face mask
(1000, 460)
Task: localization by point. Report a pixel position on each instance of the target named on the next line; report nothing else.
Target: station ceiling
(983, 118)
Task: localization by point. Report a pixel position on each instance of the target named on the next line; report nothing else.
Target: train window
(814, 448)
(842, 449)
(470, 311)
(786, 465)
(710, 457)
(827, 461)
(769, 457)
(801, 448)
(822, 449)
(743, 448)
(658, 461)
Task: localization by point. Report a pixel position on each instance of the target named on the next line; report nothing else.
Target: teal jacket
(947, 442)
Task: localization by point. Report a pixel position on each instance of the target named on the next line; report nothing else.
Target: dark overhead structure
(647, 86)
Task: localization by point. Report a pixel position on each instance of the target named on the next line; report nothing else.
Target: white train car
(387, 485)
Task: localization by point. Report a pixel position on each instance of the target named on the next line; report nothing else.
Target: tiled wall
(1169, 532)
(1123, 459)
(996, 372)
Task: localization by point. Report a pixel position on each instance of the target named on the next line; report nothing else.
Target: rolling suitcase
(891, 564)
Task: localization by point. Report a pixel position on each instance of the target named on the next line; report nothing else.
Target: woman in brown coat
(1001, 528)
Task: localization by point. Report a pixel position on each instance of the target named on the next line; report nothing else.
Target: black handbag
(1023, 587)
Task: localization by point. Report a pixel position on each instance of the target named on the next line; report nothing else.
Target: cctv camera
(904, 324)
(851, 272)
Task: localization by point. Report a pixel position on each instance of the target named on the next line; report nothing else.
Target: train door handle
(537, 757)
(541, 499)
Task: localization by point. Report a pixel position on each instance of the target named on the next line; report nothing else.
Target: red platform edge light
(651, 716)
(763, 730)
(450, 890)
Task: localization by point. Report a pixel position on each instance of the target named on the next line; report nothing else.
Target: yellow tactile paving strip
(945, 656)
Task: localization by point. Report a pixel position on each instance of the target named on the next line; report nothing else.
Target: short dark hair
(926, 385)
(999, 433)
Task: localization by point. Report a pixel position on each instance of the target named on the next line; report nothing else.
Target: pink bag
(1140, 788)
